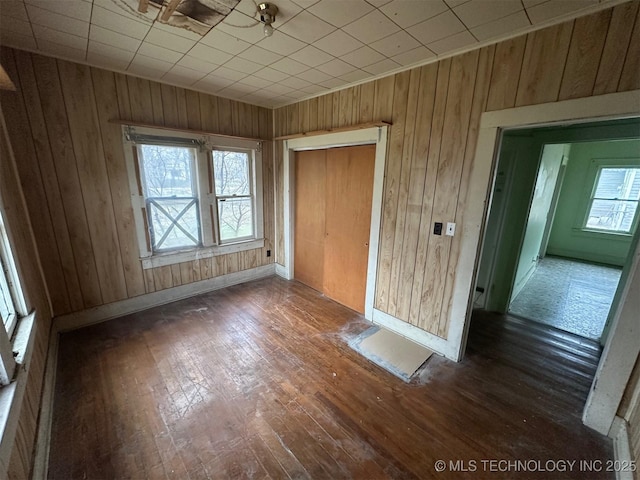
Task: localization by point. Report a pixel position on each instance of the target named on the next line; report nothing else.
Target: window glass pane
(174, 223)
(6, 303)
(614, 215)
(236, 218)
(168, 171)
(231, 173)
(619, 183)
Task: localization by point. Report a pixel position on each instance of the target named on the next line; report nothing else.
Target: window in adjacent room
(193, 195)
(614, 200)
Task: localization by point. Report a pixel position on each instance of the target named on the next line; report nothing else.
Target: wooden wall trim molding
(129, 123)
(373, 135)
(41, 455)
(281, 270)
(113, 310)
(619, 433)
(315, 133)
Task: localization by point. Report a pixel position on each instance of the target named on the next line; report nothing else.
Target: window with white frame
(613, 206)
(12, 307)
(193, 195)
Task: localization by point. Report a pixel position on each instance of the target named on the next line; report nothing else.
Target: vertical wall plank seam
(566, 57)
(626, 51)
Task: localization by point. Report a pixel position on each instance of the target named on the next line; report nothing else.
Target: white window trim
(594, 177)
(211, 246)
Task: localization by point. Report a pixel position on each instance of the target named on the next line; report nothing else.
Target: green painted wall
(567, 238)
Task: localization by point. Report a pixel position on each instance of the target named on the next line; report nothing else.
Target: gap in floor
(570, 295)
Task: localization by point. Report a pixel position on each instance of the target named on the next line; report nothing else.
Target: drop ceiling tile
(44, 35)
(531, 3)
(146, 72)
(55, 21)
(338, 43)
(119, 23)
(295, 83)
(259, 55)
(381, 67)
(281, 43)
(278, 89)
(271, 74)
(452, 43)
(378, 3)
(62, 51)
(109, 62)
(181, 32)
(213, 82)
(409, 12)
(502, 26)
(186, 76)
(104, 50)
(395, 44)
(311, 56)
(289, 66)
(248, 7)
(363, 56)
(556, 8)
(13, 10)
(74, 9)
(306, 27)
(444, 25)
(197, 64)
(414, 56)
(355, 76)
(477, 13)
(314, 76)
(305, 3)
(17, 40)
(333, 83)
(371, 27)
(236, 90)
(254, 81)
(241, 26)
(110, 37)
(209, 54)
(160, 53)
(336, 67)
(150, 62)
(130, 13)
(313, 89)
(340, 14)
(225, 42)
(287, 10)
(14, 25)
(242, 65)
(455, 3)
(168, 40)
(228, 73)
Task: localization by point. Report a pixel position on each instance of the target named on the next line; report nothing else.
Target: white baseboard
(99, 314)
(619, 433)
(281, 271)
(43, 440)
(437, 344)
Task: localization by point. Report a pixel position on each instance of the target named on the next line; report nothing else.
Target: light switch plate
(451, 229)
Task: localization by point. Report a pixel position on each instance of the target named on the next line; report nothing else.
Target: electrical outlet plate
(451, 229)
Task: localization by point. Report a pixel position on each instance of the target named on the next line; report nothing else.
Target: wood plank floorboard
(257, 381)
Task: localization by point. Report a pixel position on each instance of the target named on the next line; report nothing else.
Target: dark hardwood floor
(257, 381)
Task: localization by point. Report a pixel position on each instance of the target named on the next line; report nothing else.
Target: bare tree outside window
(234, 193)
(171, 196)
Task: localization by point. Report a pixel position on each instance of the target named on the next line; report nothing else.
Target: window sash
(250, 166)
(613, 200)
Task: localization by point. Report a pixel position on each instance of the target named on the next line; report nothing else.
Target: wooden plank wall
(630, 410)
(24, 250)
(74, 175)
(435, 111)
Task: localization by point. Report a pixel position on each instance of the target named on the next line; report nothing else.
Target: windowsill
(603, 233)
(11, 395)
(171, 258)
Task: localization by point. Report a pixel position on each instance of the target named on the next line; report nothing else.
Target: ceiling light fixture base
(267, 13)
